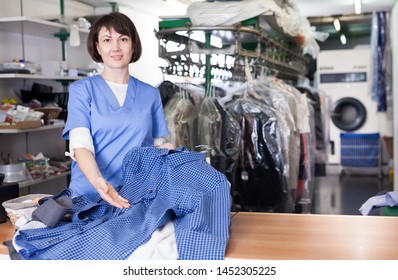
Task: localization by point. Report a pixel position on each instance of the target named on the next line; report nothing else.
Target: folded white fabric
(161, 246)
(388, 199)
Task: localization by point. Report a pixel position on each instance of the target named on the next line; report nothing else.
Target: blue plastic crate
(360, 150)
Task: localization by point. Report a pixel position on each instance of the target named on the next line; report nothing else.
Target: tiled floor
(344, 194)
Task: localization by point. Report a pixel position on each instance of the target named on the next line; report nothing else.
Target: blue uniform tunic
(115, 129)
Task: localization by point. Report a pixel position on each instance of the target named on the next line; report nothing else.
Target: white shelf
(42, 128)
(39, 77)
(28, 183)
(33, 26)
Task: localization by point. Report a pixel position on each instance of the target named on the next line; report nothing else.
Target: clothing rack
(242, 48)
(200, 58)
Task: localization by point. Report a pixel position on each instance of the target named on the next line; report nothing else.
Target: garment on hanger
(181, 114)
(209, 122)
(167, 90)
(260, 184)
(231, 138)
(284, 107)
(319, 132)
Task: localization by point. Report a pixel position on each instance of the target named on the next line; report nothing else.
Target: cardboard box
(389, 145)
(22, 125)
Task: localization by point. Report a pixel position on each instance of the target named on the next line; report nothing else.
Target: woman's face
(115, 49)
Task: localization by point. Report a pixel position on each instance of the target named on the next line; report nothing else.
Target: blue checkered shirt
(160, 185)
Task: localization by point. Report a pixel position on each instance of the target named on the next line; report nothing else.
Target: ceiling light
(358, 7)
(336, 24)
(343, 39)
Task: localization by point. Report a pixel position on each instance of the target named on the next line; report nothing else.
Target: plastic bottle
(391, 171)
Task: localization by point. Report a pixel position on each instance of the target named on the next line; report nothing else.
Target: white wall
(10, 8)
(147, 67)
(52, 9)
(394, 45)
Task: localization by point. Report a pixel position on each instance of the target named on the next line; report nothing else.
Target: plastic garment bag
(209, 127)
(181, 115)
(381, 70)
(381, 62)
(298, 105)
(167, 90)
(231, 141)
(293, 115)
(374, 40)
(260, 186)
(303, 195)
(288, 17)
(319, 131)
(294, 24)
(285, 106)
(219, 13)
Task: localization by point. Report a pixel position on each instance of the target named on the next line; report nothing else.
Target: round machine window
(349, 114)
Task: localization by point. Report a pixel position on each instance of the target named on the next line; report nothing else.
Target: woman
(111, 113)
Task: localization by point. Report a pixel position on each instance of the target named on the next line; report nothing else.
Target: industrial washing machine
(344, 76)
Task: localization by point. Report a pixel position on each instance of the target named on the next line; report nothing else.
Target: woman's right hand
(109, 194)
(87, 164)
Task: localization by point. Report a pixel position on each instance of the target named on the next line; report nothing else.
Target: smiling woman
(111, 113)
(108, 31)
(115, 51)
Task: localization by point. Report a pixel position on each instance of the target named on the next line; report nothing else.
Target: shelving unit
(33, 182)
(28, 183)
(42, 128)
(33, 26)
(37, 77)
(22, 144)
(40, 28)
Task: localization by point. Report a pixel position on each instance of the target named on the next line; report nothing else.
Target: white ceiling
(308, 8)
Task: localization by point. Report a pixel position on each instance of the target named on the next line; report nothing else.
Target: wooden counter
(301, 237)
(6, 233)
(312, 237)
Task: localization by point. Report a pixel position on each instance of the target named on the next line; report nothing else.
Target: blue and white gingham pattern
(160, 186)
(360, 150)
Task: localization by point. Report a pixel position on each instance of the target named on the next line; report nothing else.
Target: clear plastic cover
(260, 185)
(209, 126)
(181, 113)
(221, 13)
(293, 23)
(287, 16)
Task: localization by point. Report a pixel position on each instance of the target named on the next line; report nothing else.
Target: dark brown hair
(122, 24)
